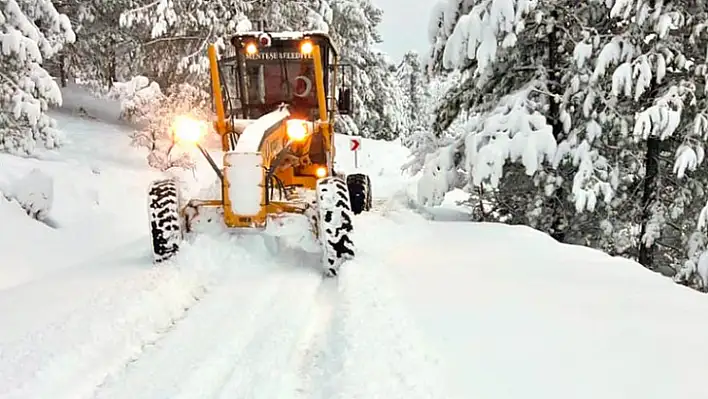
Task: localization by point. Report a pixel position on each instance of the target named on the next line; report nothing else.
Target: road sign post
(355, 145)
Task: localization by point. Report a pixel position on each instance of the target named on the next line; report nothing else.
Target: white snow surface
(286, 34)
(427, 309)
(250, 139)
(245, 177)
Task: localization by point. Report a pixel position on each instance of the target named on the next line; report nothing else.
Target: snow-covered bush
(158, 116)
(26, 89)
(34, 193)
(139, 98)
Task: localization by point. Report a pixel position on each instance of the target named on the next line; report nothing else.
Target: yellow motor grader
(275, 98)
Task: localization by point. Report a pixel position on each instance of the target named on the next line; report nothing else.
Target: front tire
(164, 217)
(334, 223)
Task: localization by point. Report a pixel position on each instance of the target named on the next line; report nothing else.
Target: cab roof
(287, 36)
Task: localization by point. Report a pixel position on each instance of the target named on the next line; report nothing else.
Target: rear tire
(164, 217)
(334, 223)
(359, 186)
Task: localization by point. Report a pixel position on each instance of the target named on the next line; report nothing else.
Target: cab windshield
(269, 78)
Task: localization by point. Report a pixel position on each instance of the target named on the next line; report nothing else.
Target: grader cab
(275, 98)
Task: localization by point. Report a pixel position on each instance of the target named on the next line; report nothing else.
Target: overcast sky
(404, 26)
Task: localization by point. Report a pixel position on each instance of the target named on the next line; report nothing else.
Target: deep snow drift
(427, 309)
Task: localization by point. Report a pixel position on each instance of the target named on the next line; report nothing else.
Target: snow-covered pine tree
(423, 142)
(513, 56)
(32, 31)
(621, 86)
(412, 81)
(377, 113)
(640, 101)
(113, 49)
(291, 15)
(660, 79)
(383, 116)
(175, 35)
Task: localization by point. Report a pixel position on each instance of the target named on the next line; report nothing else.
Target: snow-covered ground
(428, 308)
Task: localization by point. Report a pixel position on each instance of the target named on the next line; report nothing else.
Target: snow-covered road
(243, 332)
(279, 330)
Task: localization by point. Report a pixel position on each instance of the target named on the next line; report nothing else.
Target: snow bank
(83, 102)
(34, 192)
(514, 314)
(92, 191)
(67, 345)
(21, 258)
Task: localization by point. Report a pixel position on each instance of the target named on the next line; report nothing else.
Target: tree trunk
(558, 218)
(62, 70)
(649, 198)
(111, 72)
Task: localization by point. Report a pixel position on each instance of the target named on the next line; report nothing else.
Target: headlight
(188, 129)
(296, 129)
(251, 48)
(306, 47)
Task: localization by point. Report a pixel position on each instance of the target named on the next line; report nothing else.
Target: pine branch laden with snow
(648, 65)
(181, 30)
(538, 44)
(301, 15)
(440, 174)
(479, 34)
(27, 89)
(516, 131)
(651, 62)
(513, 131)
(442, 22)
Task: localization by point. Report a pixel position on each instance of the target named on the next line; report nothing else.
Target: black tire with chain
(334, 219)
(359, 186)
(164, 217)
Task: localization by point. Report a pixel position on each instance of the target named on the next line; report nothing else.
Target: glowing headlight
(251, 48)
(188, 130)
(306, 47)
(297, 130)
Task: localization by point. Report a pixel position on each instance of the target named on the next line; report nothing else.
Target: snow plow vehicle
(275, 98)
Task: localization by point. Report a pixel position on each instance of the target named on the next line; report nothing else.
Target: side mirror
(344, 102)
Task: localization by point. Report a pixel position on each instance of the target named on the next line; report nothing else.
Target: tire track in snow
(114, 312)
(385, 354)
(300, 348)
(190, 361)
(278, 330)
(276, 349)
(232, 342)
(320, 348)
